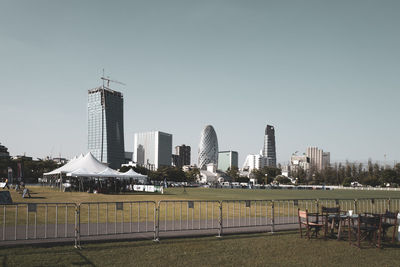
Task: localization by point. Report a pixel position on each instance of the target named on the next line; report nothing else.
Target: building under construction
(106, 125)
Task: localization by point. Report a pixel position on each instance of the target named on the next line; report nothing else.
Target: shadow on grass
(135, 194)
(4, 260)
(99, 245)
(104, 244)
(86, 261)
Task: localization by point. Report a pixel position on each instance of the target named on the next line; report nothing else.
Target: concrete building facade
(297, 162)
(152, 149)
(254, 161)
(318, 158)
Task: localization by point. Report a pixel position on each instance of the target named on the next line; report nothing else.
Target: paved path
(41, 234)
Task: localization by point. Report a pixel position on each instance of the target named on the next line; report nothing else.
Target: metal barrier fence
(24, 221)
(27, 221)
(113, 218)
(184, 215)
(246, 213)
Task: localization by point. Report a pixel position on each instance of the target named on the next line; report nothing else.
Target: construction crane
(109, 80)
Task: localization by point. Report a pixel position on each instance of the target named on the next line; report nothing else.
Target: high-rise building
(183, 153)
(319, 159)
(208, 147)
(227, 159)
(152, 149)
(269, 150)
(176, 161)
(106, 126)
(128, 157)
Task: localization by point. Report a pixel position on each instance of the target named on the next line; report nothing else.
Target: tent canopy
(89, 166)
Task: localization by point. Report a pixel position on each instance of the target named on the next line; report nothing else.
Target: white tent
(132, 173)
(89, 166)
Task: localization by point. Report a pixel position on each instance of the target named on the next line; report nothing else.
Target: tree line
(31, 169)
(371, 174)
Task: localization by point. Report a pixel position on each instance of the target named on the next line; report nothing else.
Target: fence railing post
(355, 206)
(317, 204)
(157, 224)
(388, 205)
(220, 220)
(273, 217)
(77, 226)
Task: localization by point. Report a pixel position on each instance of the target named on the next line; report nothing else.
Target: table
(341, 219)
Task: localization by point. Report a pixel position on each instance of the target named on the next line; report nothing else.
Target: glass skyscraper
(208, 147)
(106, 126)
(269, 150)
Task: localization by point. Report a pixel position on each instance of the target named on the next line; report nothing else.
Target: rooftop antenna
(103, 80)
(385, 161)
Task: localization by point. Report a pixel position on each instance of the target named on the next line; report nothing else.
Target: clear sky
(324, 73)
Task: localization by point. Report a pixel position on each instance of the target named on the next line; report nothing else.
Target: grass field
(46, 195)
(279, 249)
(176, 211)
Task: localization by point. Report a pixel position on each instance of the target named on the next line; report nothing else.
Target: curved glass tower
(208, 147)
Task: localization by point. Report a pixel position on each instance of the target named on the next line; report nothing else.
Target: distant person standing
(26, 193)
(6, 184)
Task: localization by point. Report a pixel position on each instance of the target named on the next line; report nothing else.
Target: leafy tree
(280, 179)
(192, 174)
(259, 175)
(347, 181)
(389, 176)
(243, 179)
(233, 173)
(272, 172)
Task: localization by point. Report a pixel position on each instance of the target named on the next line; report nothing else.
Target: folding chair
(369, 228)
(311, 223)
(389, 219)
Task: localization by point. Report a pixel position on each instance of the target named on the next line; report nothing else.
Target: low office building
(152, 149)
(297, 162)
(209, 175)
(254, 161)
(227, 160)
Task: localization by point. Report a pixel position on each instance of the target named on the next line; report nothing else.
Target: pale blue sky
(325, 73)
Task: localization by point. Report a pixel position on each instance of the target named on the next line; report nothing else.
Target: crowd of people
(110, 185)
(18, 186)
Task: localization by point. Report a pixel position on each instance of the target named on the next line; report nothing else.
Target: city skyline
(325, 74)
